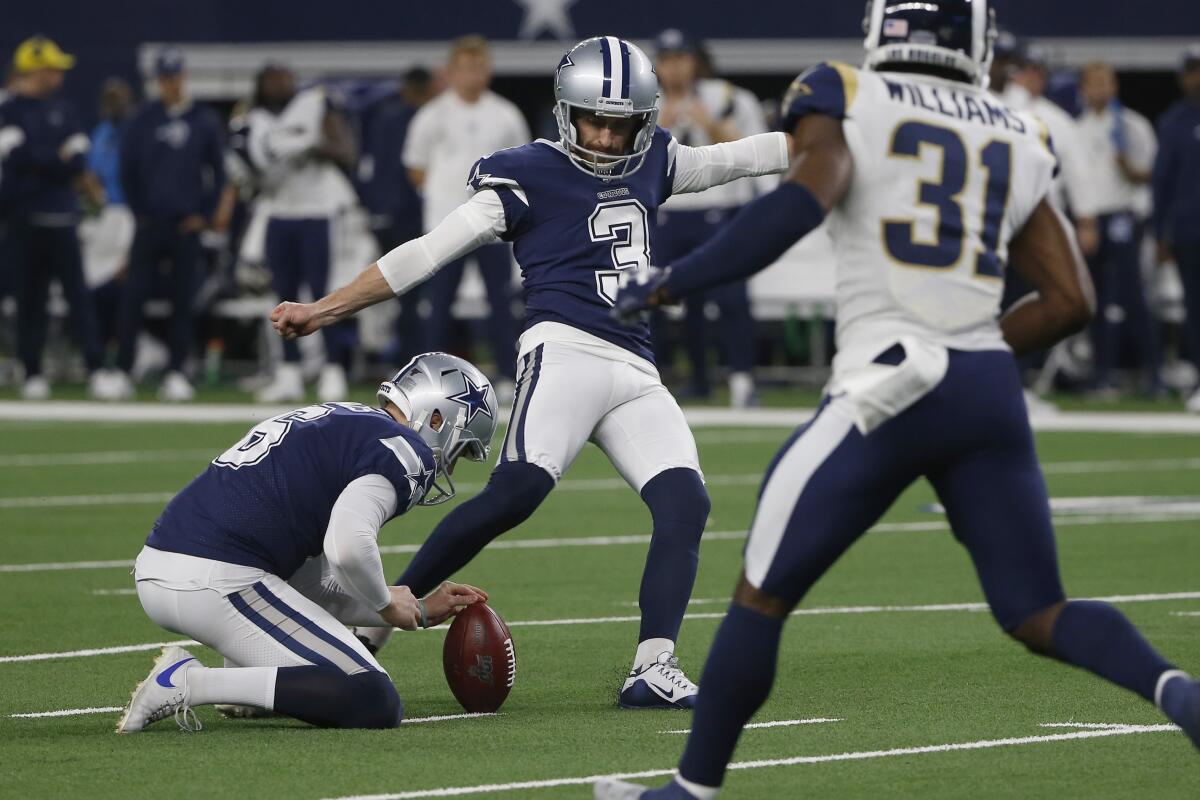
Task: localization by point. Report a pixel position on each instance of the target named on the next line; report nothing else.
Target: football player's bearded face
(609, 135)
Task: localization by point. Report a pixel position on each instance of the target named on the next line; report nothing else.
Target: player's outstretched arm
(479, 221)
(764, 229)
(700, 168)
(291, 320)
(1047, 256)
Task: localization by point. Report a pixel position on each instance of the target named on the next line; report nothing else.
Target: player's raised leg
(997, 504)
(649, 442)
(298, 660)
(561, 393)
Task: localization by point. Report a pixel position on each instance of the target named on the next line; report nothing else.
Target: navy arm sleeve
(1165, 179)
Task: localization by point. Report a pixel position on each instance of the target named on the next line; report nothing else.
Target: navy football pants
(1187, 254)
(154, 242)
(299, 252)
(495, 266)
(969, 436)
(39, 255)
(1121, 300)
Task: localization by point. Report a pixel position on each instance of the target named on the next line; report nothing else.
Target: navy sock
(1098, 638)
(514, 490)
(736, 681)
(679, 506)
(329, 698)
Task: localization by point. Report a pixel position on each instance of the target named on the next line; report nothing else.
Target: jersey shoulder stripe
(829, 88)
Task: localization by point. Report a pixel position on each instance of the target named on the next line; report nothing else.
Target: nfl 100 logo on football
(482, 671)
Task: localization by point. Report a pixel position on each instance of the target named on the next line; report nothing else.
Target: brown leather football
(479, 659)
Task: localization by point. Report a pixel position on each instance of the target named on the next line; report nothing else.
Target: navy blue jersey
(266, 501)
(573, 233)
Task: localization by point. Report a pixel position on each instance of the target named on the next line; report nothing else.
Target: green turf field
(892, 676)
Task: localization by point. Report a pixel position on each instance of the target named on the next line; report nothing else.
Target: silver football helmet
(609, 77)
(461, 396)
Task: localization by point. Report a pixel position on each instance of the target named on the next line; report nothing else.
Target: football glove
(638, 291)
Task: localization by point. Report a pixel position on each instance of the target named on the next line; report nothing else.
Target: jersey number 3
(624, 223)
(946, 250)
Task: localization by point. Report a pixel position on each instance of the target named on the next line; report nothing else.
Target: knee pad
(677, 499)
(516, 489)
(377, 703)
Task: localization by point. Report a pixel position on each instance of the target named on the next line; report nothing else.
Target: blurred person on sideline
(1119, 146)
(44, 173)
(302, 146)
(387, 193)
(1177, 198)
(702, 111)
(172, 170)
(445, 138)
(106, 237)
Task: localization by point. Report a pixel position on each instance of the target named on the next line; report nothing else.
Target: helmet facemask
(606, 166)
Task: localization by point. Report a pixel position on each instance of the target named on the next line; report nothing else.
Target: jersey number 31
(946, 250)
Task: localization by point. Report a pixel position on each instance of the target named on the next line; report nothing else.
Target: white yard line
(68, 712)
(931, 526)
(1185, 613)
(567, 485)
(113, 592)
(96, 651)
(79, 411)
(76, 712)
(781, 723)
(1086, 726)
(102, 457)
(862, 755)
(544, 623)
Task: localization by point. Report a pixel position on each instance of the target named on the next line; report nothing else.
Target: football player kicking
(930, 186)
(270, 552)
(580, 211)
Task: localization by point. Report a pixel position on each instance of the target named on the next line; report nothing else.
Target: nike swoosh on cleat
(667, 694)
(164, 677)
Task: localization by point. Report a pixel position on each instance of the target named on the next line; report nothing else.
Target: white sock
(649, 651)
(1162, 683)
(696, 790)
(240, 686)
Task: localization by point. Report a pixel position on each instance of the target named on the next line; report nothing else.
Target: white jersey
(944, 176)
(448, 135)
(296, 185)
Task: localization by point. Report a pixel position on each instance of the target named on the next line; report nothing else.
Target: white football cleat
(613, 789)
(35, 388)
(176, 388)
(332, 386)
(109, 385)
(1193, 403)
(163, 693)
(661, 684)
(286, 387)
(373, 638)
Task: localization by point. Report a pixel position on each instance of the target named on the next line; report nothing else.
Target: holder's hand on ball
(448, 599)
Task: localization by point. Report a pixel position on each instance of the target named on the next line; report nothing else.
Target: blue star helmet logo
(474, 398)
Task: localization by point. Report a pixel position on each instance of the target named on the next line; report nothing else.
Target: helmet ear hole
(436, 420)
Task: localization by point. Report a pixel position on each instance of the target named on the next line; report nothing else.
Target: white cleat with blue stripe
(162, 694)
(660, 684)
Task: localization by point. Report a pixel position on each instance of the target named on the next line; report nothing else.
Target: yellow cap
(39, 52)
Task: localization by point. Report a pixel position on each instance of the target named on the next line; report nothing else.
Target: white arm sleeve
(350, 540)
(477, 222)
(700, 168)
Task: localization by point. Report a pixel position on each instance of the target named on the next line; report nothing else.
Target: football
(479, 659)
